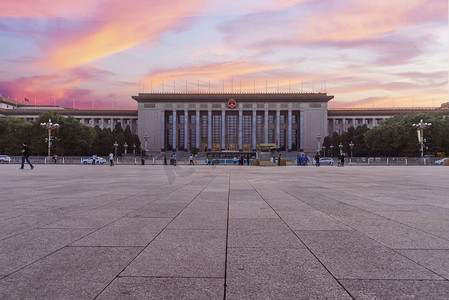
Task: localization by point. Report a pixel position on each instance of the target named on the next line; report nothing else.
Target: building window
(216, 129)
(170, 119)
(282, 119)
(294, 121)
(259, 129)
(181, 119)
(204, 127)
(231, 129)
(347, 121)
(282, 139)
(109, 121)
(271, 136)
(181, 139)
(337, 121)
(192, 139)
(271, 119)
(193, 119)
(294, 139)
(170, 139)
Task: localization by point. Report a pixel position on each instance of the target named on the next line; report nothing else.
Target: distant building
(224, 121)
(102, 118)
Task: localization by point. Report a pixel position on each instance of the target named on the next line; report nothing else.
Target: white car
(98, 160)
(441, 161)
(5, 159)
(326, 161)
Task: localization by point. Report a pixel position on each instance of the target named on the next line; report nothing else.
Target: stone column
(289, 129)
(175, 131)
(254, 129)
(278, 127)
(301, 129)
(266, 126)
(240, 130)
(102, 123)
(198, 129)
(163, 131)
(186, 130)
(223, 129)
(209, 129)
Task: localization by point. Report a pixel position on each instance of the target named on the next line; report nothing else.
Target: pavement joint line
(144, 247)
(227, 239)
(305, 245)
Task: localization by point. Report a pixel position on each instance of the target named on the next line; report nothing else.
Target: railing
(199, 160)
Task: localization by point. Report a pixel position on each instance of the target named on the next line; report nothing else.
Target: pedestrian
(317, 159)
(174, 159)
(297, 160)
(165, 159)
(342, 160)
(191, 159)
(247, 160)
(235, 160)
(94, 157)
(339, 160)
(279, 159)
(111, 159)
(55, 158)
(25, 155)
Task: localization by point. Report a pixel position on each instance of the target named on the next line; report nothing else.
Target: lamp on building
(351, 145)
(49, 125)
(126, 147)
(420, 131)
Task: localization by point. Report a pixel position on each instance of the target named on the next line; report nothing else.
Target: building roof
(239, 97)
(382, 111)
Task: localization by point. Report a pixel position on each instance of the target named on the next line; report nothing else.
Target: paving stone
(434, 260)
(26, 248)
(397, 289)
(125, 232)
(159, 210)
(250, 209)
(276, 273)
(311, 219)
(71, 273)
(351, 255)
(182, 253)
(164, 288)
(396, 235)
(261, 233)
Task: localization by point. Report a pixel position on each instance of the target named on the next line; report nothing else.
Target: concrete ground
(224, 232)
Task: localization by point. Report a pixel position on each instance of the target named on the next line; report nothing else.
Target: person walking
(191, 159)
(25, 156)
(317, 159)
(174, 159)
(111, 159)
(342, 160)
(55, 159)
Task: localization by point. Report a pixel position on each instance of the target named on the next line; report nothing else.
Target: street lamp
(341, 148)
(420, 131)
(126, 147)
(116, 146)
(145, 137)
(318, 138)
(324, 150)
(331, 150)
(351, 145)
(49, 125)
(134, 147)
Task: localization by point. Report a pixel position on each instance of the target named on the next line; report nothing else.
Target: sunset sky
(98, 53)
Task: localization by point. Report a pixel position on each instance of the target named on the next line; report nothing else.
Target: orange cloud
(117, 26)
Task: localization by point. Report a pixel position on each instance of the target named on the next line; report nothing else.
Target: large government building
(224, 121)
(236, 122)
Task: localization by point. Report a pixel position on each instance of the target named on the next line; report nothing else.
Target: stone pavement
(224, 232)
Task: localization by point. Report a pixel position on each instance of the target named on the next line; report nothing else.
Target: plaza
(224, 232)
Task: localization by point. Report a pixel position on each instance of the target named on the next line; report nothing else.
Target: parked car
(441, 161)
(5, 159)
(89, 160)
(326, 161)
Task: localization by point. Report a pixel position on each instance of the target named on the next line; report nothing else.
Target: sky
(96, 54)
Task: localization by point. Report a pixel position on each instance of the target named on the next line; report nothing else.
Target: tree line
(393, 137)
(72, 137)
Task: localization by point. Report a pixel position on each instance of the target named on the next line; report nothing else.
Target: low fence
(131, 160)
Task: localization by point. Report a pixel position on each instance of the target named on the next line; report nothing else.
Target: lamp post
(126, 147)
(331, 149)
(145, 137)
(49, 125)
(341, 148)
(134, 149)
(318, 138)
(115, 147)
(420, 131)
(324, 150)
(351, 145)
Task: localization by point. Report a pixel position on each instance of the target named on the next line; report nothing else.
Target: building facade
(231, 121)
